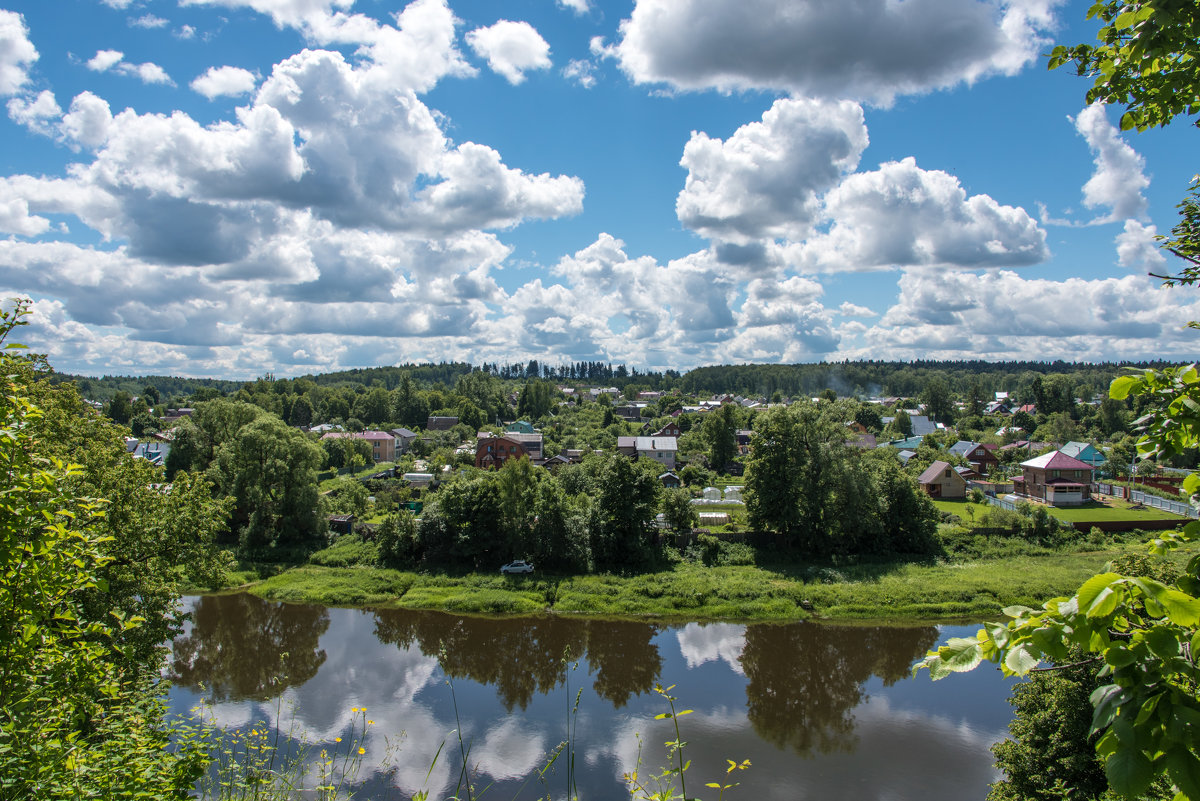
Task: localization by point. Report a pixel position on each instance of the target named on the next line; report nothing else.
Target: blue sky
(236, 187)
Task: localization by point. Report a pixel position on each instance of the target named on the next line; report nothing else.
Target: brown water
(823, 712)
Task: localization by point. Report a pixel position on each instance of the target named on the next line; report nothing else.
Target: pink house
(383, 444)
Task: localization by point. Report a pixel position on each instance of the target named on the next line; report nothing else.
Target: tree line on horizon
(846, 378)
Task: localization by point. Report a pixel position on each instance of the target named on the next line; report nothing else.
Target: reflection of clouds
(901, 753)
(906, 734)
(510, 750)
(708, 642)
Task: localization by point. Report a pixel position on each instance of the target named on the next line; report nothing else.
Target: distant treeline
(848, 378)
(901, 379)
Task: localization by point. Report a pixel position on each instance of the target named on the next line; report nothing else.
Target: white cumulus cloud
(511, 48)
(34, 113)
(1137, 247)
(581, 71)
(17, 52)
(871, 50)
(1001, 315)
(578, 6)
(148, 21)
(224, 82)
(1118, 181)
(903, 216)
(105, 60)
(290, 13)
(766, 179)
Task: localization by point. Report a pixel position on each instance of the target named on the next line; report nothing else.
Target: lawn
(1111, 509)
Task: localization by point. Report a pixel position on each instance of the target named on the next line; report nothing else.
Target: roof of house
(865, 441)
(1056, 460)
(404, 433)
(936, 471)
(922, 425)
(1084, 451)
(962, 447)
(657, 444)
(371, 436)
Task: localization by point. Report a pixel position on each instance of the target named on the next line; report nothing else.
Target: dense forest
(859, 379)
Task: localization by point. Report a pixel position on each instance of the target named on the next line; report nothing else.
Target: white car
(519, 566)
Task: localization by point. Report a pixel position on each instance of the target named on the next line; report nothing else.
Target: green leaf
(1129, 771)
(1120, 387)
(1119, 656)
(1106, 702)
(1184, 770)
(1096, 595)
(958, 655)
(1019, 660)
(1164, 643)
(1017, 611)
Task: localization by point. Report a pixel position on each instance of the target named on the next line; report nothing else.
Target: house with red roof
(1056, 478)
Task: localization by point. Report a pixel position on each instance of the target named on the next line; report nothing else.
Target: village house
(941, 480)
(404, 439)
(982, 458)
(383, 443)
(491, 452)
(1085, 452)
(1056, 478)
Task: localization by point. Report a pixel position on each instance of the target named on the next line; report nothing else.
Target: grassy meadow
(979, 576)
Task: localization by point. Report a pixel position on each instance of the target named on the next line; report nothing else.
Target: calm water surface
(823, 712)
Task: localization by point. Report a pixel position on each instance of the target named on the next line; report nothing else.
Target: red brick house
(1055, 478)
(491, 452)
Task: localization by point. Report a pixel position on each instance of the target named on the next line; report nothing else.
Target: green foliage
(720, 431)
(677, 509)
(349, 497)
(270, 470)
(120, 408)
(346, 551)
(344, 452)
(825, 497)
(536, 399)
(80, 717)
(396, 539)
(621, 517)
(1145, 60)
(1141, 633)
(1050, 753)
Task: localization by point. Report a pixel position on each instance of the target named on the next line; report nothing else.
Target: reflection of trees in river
(804, 680)
(241, 647)
(623, 657)
(522, 657)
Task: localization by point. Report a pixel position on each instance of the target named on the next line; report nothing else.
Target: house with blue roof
(1085, 452)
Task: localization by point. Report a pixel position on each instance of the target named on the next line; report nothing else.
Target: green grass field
(936, 591)
(1112, 509)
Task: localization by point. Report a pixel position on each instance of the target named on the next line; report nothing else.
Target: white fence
(1174, 507)
(1137, 496)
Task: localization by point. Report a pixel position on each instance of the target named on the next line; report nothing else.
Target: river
(821, 711)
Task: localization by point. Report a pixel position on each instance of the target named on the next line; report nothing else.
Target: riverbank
(959, 590)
